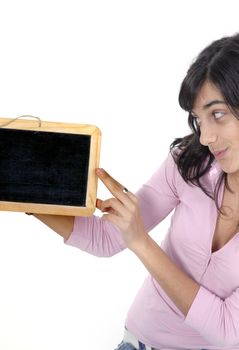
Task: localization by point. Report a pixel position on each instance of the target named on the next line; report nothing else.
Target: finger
(111, 218)
(101, 207)
(106, 210)
(112, 205)
(98, 203)
(132, 196)
(113, 186)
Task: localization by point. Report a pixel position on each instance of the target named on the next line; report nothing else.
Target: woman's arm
(90, 233)
(180, 288)
(63, 225)
(123, 211)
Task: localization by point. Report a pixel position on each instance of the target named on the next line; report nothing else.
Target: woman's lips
(220, 154)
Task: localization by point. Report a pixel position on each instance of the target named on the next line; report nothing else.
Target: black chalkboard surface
(48, 169)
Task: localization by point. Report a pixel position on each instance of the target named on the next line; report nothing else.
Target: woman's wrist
(141, 245)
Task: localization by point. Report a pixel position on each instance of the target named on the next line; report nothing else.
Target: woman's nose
(207, 135)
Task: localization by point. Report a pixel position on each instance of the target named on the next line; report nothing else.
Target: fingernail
(98, 203)
(99, 171)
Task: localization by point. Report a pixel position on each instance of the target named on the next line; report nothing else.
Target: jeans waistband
(130, 338)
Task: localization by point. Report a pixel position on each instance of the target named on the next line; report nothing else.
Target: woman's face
(218, 126)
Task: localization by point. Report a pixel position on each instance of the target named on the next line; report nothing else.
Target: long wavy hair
(219, 64)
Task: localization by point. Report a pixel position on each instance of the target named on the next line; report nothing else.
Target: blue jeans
(127, 346)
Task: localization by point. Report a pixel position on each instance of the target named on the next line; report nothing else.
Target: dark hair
(219, 64)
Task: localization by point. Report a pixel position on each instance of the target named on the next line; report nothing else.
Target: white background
(118, 65)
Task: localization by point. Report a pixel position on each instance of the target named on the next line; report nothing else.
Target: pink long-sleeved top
(213, 319)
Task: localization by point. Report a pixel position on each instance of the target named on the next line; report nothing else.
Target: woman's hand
(123, 211)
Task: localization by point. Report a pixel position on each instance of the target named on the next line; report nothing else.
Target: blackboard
(48, 169)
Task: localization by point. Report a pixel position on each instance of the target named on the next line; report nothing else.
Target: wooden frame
(57, 127)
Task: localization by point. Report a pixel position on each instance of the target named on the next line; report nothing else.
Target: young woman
(190, 299)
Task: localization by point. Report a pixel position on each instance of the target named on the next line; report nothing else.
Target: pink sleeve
(156, 199)
(160, 195)
(217, 320)
(96, 236)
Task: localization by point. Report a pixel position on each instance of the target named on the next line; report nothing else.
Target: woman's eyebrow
(213, 102)
(209, 104)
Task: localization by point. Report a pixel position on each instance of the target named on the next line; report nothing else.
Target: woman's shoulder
(166, 178)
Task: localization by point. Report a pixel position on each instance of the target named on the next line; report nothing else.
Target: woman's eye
(218, 115)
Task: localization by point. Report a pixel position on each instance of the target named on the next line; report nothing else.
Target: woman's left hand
(123, 211)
